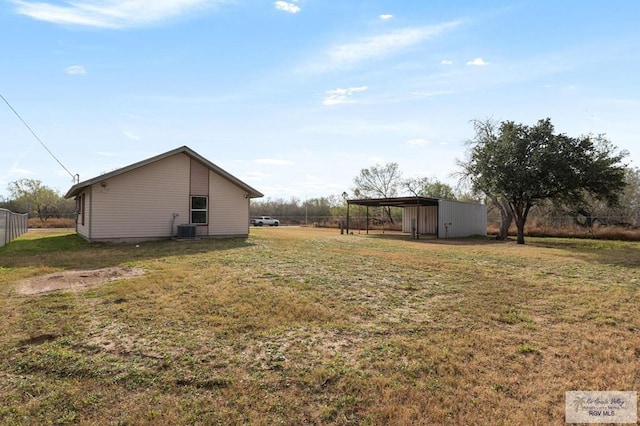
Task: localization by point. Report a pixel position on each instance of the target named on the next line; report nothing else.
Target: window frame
(205, 210)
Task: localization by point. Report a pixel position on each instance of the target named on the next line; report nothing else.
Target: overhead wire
(36, 136)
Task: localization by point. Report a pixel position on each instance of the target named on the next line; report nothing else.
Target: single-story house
(432, 216)
(178, 193)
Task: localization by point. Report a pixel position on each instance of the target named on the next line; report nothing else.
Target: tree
(34, 198)
(524, 165)
(630, 200)
(591, 210)
(318, 209)
(379, 181)
(432, 188)
(486, 130)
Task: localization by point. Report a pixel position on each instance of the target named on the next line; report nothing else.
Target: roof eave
(395, 202)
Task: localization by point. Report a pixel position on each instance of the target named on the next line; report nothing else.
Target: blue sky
(296, 97)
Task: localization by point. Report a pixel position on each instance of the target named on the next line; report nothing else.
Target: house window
(199, 210)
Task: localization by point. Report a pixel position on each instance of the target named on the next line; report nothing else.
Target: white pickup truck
(265, 220)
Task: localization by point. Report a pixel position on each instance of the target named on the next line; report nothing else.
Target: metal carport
(395, 202)
(449, 219)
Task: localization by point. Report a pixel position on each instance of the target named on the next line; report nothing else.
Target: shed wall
(457, 219)
(428, 219)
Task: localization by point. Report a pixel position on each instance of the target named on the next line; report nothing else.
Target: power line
(37, 138)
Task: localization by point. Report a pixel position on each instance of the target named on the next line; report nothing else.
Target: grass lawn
(306, 326)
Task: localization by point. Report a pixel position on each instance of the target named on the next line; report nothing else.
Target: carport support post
(417, 219)
(348, 218)
(367, 225)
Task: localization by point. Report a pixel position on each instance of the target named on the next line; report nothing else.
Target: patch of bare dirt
(75, 280)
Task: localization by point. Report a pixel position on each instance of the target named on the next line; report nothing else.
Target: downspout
(173, 221)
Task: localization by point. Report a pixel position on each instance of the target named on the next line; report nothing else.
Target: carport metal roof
(394, 202)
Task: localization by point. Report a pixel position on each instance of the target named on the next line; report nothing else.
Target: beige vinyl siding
(84, 216)
(228, 208)
(199, 178)
(428, 219)
(140, 203)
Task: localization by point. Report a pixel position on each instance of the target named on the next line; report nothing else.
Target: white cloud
(131, 136)
(446, 62)
(417, 142)
(376, 160)
(106, 154)
(386, 16)
(341, 96)
(273, 162)
(76, 70)
(379, 46)
(16, 171)
(286, 6)
(255, 176)
(479, 62)
(109, 13)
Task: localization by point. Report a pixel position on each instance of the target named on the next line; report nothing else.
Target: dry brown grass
(596, 232)
(306, 326)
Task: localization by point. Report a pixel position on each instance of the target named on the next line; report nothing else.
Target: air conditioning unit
(186, 231)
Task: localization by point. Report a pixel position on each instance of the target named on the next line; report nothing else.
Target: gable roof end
(79, 187)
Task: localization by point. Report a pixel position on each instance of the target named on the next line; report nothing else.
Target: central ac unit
(186, 231)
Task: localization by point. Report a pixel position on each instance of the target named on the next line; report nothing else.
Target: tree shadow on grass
(72, 252)
(433, 239)
(609, 252)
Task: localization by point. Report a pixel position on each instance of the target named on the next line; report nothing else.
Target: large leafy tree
(32, 197)
(520, 166)
(487, 130)
(379, 181)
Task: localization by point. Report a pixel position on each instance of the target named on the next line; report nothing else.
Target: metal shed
(432, 216)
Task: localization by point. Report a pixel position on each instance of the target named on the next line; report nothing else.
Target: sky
(296, 97)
